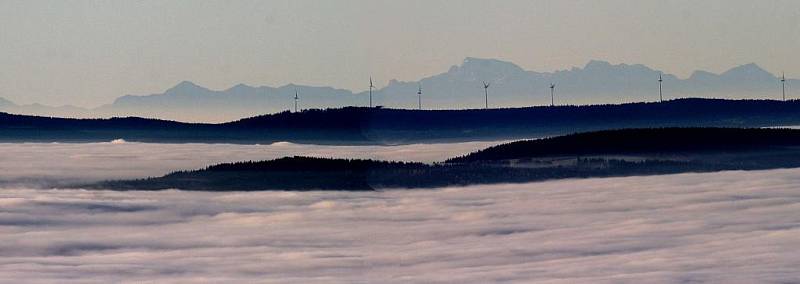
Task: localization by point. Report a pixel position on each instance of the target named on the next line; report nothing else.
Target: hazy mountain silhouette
(6, 103)
(598, 82)
(190, 102)
(44, 110)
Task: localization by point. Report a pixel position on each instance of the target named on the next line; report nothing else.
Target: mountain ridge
(387, 126)
(460, 87)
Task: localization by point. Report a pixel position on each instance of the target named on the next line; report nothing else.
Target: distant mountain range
(460, 87)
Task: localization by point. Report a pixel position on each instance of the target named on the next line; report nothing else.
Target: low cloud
(54, 164)
(716, 227)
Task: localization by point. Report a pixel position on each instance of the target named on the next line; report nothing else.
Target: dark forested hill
(596, 154)
(641, 141)
(391, 126)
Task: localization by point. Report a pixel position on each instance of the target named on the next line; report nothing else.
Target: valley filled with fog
(52, 164)
(719, 227)
(728, 227)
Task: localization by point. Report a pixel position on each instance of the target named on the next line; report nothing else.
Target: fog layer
(729, 227)
(46, 164)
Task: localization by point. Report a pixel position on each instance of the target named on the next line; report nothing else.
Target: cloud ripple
(730, 227)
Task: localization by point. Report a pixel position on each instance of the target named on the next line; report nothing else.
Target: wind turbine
(295, 100)
(419, 97)
(660, 92)
(552, 94)
(783, 84)
(371, 86)
(486, 93)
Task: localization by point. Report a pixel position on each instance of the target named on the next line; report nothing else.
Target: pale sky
(87, 53)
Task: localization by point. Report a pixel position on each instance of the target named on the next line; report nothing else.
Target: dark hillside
(354, 125)
(595, 154)
(641, 141)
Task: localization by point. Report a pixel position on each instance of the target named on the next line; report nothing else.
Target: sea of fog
(728, 227)
(46, 164)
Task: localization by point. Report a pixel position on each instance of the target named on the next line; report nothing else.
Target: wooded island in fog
(595, 154)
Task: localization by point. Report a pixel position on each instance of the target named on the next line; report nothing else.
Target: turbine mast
(295, 100)
(419, 97)
(552, 94)
(371, 86)
(783, 84)
(660, 91)
(486, 93)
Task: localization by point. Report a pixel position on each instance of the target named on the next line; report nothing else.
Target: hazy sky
(89, 52)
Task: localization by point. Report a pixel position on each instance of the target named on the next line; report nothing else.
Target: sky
(87, 53)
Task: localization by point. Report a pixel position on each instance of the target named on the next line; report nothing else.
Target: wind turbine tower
(295, 100)
(486, 93)
(660, 92)
(371, 86)
(783, 84)
(419, 97)
(552, 94)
